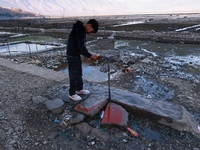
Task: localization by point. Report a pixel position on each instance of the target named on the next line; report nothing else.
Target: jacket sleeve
(81, 43)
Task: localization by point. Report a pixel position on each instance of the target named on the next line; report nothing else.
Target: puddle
(152, 89)
(174, 53)
(11, 34)
(150, 134)
(181, 60)
(5, 33)
(196, 115)
(23, 48)
(194, 27)
(129, 23)
(90, 73)
(144, 130)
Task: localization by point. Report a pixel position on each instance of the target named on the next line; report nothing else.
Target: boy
(75, 48)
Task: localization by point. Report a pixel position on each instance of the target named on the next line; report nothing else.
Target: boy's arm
(81, 44)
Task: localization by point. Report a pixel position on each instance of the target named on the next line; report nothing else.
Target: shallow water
(21, 48)
(153, 89)
(129, 23)
(160, 49)
(90, 72)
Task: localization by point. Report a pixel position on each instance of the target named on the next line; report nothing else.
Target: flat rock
(84, 127)
(76, 118)
(55, 106)
(92, 105)
(87, 129)
(104, 136)
(39, 99)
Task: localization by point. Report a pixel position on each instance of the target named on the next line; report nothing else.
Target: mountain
(66, 7)
(14, 12)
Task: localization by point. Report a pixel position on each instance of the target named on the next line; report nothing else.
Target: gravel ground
(26, 125)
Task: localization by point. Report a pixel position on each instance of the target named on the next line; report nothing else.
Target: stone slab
(92, 105)
(140, 105)
(167, 113)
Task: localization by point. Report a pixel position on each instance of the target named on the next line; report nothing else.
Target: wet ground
(159, 71)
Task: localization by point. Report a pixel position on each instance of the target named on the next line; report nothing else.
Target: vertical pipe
(29, 48)
(36, 47)
(8, 46)
(109, 96)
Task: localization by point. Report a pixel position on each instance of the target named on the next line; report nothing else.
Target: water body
(195, 28)
(129, 23)
(176, 53)
(90, 72)
(23, 48)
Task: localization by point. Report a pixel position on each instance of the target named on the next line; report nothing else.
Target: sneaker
(84, 92)
(75, 97)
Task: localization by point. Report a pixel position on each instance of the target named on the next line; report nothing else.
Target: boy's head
(94, 24)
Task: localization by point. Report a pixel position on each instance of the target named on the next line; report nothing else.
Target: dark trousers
(75, 74)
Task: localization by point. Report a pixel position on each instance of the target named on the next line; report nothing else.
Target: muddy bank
(175, 28)
(163, 36)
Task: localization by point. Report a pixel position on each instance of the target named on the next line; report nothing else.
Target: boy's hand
(93, 57)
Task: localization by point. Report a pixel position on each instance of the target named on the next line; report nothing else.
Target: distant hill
(14, 12)
(61, 8)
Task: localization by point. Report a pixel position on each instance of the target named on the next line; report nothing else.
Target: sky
(103, 7)
(161, 6)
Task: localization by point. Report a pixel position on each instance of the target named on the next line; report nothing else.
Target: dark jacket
(76, 41)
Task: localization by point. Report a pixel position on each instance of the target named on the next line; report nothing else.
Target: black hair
(95, 24)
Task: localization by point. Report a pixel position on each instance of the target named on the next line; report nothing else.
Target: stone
(84, 127)
(56, 106)
(76, 118)
(104, 136)
(39, 99)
